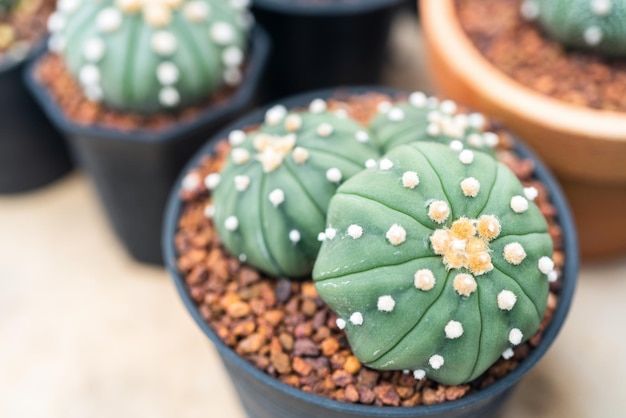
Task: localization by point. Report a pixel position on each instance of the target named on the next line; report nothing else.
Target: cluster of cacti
(424, 118)
(434, 256)
(270, 199)
(438, 262)
(592, 24)
(151, 55)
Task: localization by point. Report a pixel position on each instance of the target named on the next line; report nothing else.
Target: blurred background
(85, 331)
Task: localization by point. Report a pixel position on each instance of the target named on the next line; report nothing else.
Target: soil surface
(286, 330)
(521, 50)
(23, 27)
(66, 92)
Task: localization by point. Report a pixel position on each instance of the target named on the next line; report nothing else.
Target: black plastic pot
(325, 43)
(265, 397)
(32, 152)
(134, 171)
(412, 6)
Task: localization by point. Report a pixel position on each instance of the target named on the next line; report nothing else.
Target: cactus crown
(424, 118)
(438, 262)
(270, 199)
(151, 55)
(591, 24)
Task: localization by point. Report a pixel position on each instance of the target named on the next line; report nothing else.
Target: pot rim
(333, 9)
(569, 273)
(260, 46)
(470, 65)
(34, 49)
(7, 65)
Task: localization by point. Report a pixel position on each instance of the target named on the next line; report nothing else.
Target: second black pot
(32, 152)
(322, 44)
(134, 171)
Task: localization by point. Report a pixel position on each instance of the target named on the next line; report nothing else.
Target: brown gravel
(289, 332)
(521, 50)
(66, 92)
(23, 27)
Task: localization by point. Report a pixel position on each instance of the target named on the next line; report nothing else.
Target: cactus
(7, 5)
(424, 118)
(439, 262)
(150, 55)
(590, 24)
(270, 199)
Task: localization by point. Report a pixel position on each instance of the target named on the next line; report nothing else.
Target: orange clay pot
(585, 147)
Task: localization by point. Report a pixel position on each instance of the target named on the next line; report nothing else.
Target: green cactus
(424, 118)
(590, 24)
(270, 199)
(7, 5)
(439, 263)
(151, 55)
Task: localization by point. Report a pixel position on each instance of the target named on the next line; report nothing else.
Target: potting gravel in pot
(137, 85)
(32, 153)
(325, 43)
(364, 252)
(555, 72)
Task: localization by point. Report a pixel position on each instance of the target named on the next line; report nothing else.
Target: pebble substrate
(67, 93)
(284, 328)
(521, 50)
(22, 28)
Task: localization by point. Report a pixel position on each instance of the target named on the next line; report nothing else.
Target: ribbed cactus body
(424, 118)
(271, 197)
(591, 24)
(150, 55)
(439, 262)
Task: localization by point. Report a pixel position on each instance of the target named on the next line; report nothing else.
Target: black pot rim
(34, 50)
(260, 45)
(7, 65)
(569, 275)
(334, 8)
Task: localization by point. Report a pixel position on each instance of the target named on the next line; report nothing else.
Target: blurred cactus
(151, 55)
(7, 5)
(438, 263)
(271, 197)
(591, 24)
(424, 118)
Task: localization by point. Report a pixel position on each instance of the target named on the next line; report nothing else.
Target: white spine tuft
(333, 175)
(276, 197)
(453, 330)
(385, 303)
(396, 234)
(410, 179)
(436, 361)
(515, 336)
(355, 231)
(506, 300)
(519, 204)
(231, 223)
(212, 180)
(385, 164)
(356, 318)
(424, 280)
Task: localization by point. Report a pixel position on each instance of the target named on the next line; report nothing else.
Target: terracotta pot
(585, 147)
(263, 396)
